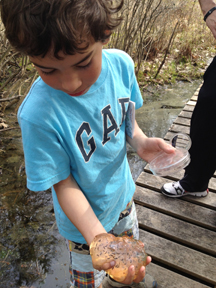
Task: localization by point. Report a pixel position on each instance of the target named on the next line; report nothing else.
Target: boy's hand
(100, 254)
(131, 272)
(148, 148)
(151, 147)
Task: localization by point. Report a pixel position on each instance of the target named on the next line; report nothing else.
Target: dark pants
(203, 136)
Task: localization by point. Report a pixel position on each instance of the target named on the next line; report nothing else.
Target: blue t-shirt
(84, 136)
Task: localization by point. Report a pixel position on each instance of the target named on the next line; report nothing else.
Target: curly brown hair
(35, 27)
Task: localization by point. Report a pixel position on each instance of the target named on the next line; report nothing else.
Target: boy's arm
(206, 5)
(77, 208)
(148, 148)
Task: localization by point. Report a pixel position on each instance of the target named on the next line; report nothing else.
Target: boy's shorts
(82, 273)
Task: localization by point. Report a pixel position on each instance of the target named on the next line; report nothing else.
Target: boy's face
(74, 74)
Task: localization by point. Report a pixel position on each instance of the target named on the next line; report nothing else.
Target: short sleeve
(134, 86)
(46, 161)
(136, 94)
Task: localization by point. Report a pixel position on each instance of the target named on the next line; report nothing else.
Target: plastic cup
(165, 164)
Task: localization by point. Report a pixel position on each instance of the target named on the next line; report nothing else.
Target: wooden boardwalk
(179, 234)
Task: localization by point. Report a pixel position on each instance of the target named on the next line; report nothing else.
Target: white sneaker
(175, 189)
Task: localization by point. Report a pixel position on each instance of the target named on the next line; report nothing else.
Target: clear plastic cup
(165, 164)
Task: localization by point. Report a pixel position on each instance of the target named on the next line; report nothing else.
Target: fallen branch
(6, 129)
(14, 101)
(10, 98)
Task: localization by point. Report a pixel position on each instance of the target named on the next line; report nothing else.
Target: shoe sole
(195, 194)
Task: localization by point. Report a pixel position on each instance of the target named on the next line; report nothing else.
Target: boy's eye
(48, 72)
(85, 66)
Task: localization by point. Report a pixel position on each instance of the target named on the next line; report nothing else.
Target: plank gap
(179, 257)
(175, 215)
(173, 269)
(176, 240)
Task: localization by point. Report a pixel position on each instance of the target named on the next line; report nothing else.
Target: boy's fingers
(108, 265)
(148, 260)
(130, 275)
(140, 275)
(167, 147)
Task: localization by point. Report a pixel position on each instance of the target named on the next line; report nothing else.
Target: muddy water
(32, 253)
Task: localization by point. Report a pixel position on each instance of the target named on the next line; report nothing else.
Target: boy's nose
(70, 83)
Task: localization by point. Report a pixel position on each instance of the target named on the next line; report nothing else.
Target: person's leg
(203, 136)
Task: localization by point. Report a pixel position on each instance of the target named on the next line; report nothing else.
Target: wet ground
(32, 253)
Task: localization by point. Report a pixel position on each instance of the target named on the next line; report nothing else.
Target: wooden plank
(194, 97)
(155, 183)
(177, 230)
(182, 121)
(181, 141)
(169, 279)
(179, 129)
(185, 114)
(176, 256)
(191, 103)
(212, 184)
(189, 108)
(198, 89)
(170, 134)
(190, 212)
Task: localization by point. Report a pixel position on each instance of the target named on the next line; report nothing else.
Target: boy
(73, 122)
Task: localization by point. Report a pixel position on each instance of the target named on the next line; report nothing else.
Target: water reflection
(27, 243)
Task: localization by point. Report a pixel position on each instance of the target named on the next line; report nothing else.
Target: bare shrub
(15, 82)
(151, 27)
(151, 31)
(146, 29)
